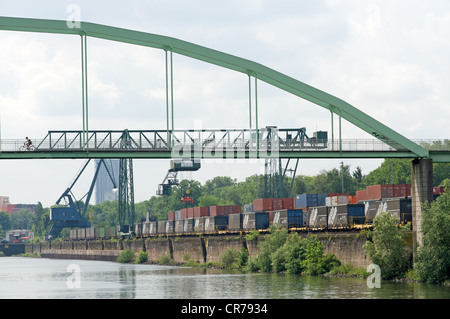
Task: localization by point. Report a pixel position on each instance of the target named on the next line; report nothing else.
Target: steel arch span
(252, 69)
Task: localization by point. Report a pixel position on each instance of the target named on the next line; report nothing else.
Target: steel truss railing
(206, 140)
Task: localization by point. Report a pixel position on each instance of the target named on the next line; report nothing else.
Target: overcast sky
(387, 58)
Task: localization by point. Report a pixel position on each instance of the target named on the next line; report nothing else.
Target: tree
(433, 258)
(208, 200)
(41, 220)
(5, 221)
(391, 171)
(388, 246)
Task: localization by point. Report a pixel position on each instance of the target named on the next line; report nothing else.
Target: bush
(127, 256)
(229, 259)
(281, 251)
(433, 259)
(387, 247)
(142, 257)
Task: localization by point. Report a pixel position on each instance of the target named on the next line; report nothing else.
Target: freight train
(305, 212)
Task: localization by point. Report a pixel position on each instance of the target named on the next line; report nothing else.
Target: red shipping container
(277, 203)
(171, 216)
(190, 212)
(183, 213)
(201, 211)
(380, 191)
(361, 195)
(408, 189)
(235, 209)
(401, 190)
(288, 203)
(216, 210)
(262, 204)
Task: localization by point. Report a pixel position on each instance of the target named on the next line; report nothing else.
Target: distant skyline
(387, 58)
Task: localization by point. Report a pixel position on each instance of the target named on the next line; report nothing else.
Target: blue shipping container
(306, 200)
(295, 218)
(321, 199)
(355, 210)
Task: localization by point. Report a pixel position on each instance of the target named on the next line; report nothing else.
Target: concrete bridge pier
(421, 191)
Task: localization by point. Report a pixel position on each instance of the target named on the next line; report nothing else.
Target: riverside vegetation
(386, 246)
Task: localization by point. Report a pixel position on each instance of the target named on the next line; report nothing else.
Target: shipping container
(437, 190)
(177, 214)
(183, 213)
(321, 199)
(199, 226)
(346, 215)
(306, 200)
(318, 217)
(288, 203)
(73, 234)
(248, 208)
(262, 204)
(256, 220)
(401, 190)
(398, 207)
(170, 227)
(189, 224)
(153, 228)
(224, 210)
(352, 200)
(171, 216)
(138, 229)
(179, 226)
(370, 210)
(190, 212)
(162, 226)
(235, 221)
(336, 200)
(99, 232)
(201, 211)
(215, 223)
(277, 204)
(288, 218)
(361, 196)
(380, 191)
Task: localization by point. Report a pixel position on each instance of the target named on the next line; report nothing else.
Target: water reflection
(45, 278)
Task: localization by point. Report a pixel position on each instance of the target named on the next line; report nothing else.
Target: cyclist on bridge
(28, 142)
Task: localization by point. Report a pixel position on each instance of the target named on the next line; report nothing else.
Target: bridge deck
(207, 143)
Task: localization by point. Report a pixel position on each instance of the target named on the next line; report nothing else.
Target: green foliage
(433, 258)
(142, 257)
(349, 270)
(282, 251)
(233, 259)
(127, 256)
(388, 246)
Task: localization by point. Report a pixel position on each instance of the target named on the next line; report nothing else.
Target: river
(41, 278)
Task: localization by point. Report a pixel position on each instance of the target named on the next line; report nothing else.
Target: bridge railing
(207, 140)
(202, 140)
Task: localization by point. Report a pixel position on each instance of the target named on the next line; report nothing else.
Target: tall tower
(103, 185)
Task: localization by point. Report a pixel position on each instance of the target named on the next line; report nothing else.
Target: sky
(387, 58)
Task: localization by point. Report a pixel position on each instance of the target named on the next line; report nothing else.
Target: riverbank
(346, 246)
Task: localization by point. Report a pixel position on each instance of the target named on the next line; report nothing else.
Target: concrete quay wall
(348, 248)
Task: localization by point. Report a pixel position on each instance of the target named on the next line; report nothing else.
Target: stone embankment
(347, 246)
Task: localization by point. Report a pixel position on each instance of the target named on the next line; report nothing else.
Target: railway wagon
(288, 218)
(346, 215)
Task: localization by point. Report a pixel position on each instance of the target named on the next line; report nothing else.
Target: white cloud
(388, 59)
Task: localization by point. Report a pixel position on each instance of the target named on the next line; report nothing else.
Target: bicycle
(26, 148)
